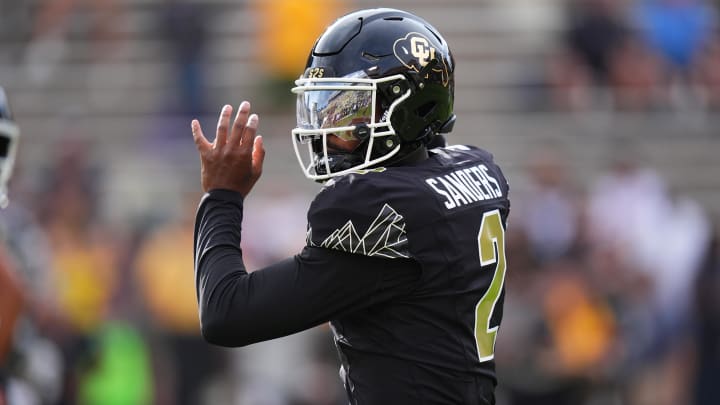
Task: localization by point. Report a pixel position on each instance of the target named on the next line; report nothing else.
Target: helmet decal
(415, 51)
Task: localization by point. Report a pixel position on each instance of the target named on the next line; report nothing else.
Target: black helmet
(9, 134)
(382, 77)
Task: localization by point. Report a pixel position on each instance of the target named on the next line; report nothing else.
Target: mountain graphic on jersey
(386, 237)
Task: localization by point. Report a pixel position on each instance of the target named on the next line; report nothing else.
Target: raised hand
(234, 160)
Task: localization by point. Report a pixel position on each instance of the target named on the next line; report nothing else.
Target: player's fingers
(201, 142)
(222, 126)
(240, 123)
(246, 140)
(258, 156)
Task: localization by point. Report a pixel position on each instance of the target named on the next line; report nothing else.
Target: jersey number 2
(491, 247)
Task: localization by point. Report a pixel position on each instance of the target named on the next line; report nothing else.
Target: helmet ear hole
(386, 144)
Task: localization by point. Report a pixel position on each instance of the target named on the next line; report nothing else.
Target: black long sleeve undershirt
(238, 308)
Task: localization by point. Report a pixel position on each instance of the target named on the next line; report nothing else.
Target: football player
(405, 252)
(11, 296)
(9, 134)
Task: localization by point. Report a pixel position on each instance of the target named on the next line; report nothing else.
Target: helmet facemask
(9, 134)
(349, 108)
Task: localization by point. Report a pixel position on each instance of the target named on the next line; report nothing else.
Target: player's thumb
(200, 141)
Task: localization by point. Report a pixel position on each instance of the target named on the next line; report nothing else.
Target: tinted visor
(333, 111)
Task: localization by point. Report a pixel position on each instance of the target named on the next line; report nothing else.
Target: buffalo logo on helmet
(415, 51)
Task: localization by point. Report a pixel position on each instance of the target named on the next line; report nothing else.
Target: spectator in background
(184, 25)
(594, 31)
(707, 307)
(660, 241)
(706, 74)
(549, 213)
(84, 252)
(637, 77)
(676, 29)
(646, 56)
(56, 18)
(562, 338)
(292, 27)
(120, 373)
(596, 27)
(625, 204)
(85, 257)
(160, 269)
(632, 213)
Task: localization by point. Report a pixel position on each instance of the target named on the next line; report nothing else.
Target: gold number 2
(491, 247)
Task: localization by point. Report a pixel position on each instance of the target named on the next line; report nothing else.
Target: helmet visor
(335, 108)
(346, 108)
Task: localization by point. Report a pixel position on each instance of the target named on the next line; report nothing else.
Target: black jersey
(448, 213)
(406, 262)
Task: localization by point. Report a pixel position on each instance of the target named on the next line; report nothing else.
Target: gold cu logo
(421, 49)
(416, 51)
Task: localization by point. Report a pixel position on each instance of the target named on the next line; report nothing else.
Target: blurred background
(603, 113)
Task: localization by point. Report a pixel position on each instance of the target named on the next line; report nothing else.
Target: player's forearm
(219, 270)
(238, 308)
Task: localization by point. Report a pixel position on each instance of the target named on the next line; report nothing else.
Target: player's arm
(11, 301)
(239, 308)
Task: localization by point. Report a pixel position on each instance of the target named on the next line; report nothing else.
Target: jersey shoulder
(459, 154)
(467, 176)
(372, 212)
(354, 213)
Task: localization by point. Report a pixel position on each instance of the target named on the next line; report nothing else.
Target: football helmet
(379, 78)
(9, 134)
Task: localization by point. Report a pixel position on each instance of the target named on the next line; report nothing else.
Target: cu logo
(421, 49)
(415, 51)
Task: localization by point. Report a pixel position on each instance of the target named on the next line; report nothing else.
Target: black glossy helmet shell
(384, 42)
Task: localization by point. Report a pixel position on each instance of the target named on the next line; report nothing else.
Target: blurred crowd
(612, 293)
(638, 55)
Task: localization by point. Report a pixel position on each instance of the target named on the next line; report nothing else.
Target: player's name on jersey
(466, 186)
